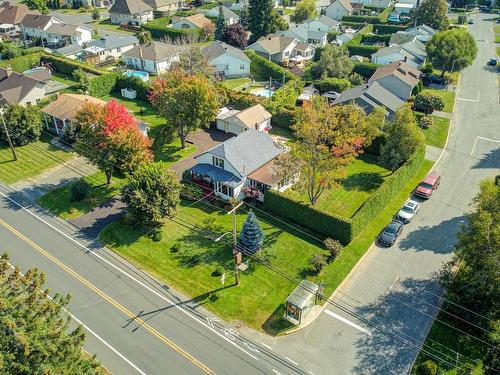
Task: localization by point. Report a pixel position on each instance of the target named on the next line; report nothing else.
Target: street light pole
(8, 137)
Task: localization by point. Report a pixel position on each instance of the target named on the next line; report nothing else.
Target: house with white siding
(321, 23)
(130, 12)
(398, 77)
(229, 16)
(338, 9)
(227, 60)
(282, 49)
(16, 88)
(166, 6)
(110, 46)
(304, 35)
(236, 122)
(154, 57)
(412, 52)
(194, 22)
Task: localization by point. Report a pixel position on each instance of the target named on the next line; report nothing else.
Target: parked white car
(406, 213)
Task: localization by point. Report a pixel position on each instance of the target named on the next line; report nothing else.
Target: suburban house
(373, 3)
(52, 32)
(282, 49)
(338, 9)
(423, 33)
(229, 16)
(304, 35)
(227, 60)
(112, 46)
(411, 52)
(236, 122)
(154, 57)
(344, 38)
(399, 38)
(398, 77)
(403, 8)
(130, 12)
(166, 6)
(71, 51)
(62, 111)
(16, 88)
(194, 22)
(321, 23)
(370, 96)
(241, 166)
(10, 19)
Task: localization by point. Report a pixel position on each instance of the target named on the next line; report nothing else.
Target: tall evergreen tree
(220, 24)
(251, 236)
(261, 20)
(244, 15)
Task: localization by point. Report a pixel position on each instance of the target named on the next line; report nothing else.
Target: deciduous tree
(334, 62)
(36, 337)
(24, 124)
(452, 49)
(433, 13)
(304, 10)
(151, 194)
(251, 236)
(192, 61)
(110, 139)
(235, 35)
(82, 81)
(186, 102)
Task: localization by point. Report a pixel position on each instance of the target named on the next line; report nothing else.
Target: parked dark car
(429, 79)
(428, 185)
(493, 61)
(390, 233)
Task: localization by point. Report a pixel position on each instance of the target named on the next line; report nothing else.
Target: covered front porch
(215, 179)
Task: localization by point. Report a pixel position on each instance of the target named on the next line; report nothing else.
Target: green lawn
(436, 135)
(141, 109)
(496, 28)
(74, 11)
(58, 200)
(448, 97)
(234, 83)
(364, 176)
(63, 78)
(171, 153)
(105, 24)
(498, 51)
(497, 38)
(33, 159)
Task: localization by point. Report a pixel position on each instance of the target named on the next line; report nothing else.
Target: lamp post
(236, 253)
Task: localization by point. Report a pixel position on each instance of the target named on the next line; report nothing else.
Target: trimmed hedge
(159, 29)
(22, 63)
(387, 29)
(374, 38)
(262, 68)
(365, 51)
(332, 84)
(103, 85)
(353, 25)
(365, 69)
(383, 195)
(319, 221)
(134, 83)
(362, 19)
(67, 66)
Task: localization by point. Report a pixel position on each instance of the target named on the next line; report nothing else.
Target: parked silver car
(406, 213)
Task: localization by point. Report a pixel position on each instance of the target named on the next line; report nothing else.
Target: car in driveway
(407, 212)
(390, 233)
(429, 79)
(428, 185)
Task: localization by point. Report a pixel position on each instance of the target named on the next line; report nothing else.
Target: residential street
(392, 287)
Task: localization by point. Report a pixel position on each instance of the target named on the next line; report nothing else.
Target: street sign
(223, 278)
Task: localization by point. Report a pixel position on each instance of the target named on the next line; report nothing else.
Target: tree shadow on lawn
(364, 181)
(276, 322)
(168, 153)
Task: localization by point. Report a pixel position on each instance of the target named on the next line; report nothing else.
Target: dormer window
(218, 162)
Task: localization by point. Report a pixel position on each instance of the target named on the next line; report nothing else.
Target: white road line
(276, 372)
(484, 139)
(310, 372)
(129, 276)
(348, 322)
(469, 100)
(267, 346)
(288, 359)
(94, 334)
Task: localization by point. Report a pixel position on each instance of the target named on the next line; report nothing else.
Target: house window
(218, 162)
(242, 66)
(224, 189)
(119, 49)
(259, 185)
(285, 181)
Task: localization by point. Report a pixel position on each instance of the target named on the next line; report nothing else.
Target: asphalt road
(392, 287)
(134, 323)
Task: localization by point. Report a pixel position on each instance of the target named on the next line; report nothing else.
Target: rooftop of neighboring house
(198, 20)
(250, 117)
(228, 13)
(409, 49)
(130, 7)
(14, 87)
(303, 46)
(345, 37)
(155, 51)
(110, 42)
(248, 151)
(344, 3)
(301, 32)
(155, 4)
(41, 74)
(330, 22)
(217, 48)
(274, 43)
(66, 106)
(373, 94)
(424, 29)
(401, 37)
(14, 14)
(404, 5)
(64, 29)
(70, 49)
(38, 21)
(405, 72)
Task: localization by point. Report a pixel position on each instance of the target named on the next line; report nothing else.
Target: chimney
(406, 59)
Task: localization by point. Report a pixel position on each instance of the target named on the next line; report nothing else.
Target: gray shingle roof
(155, 51)
(325, 20)
(247, 151)
(70, 49)
(36, 20)
(155, 4)
(14, 87)
(130, 7)
(62, 29)
(228, 13)
(401, 70)
(110, 42)
(14, 14)
(217, 48)
(273, 43)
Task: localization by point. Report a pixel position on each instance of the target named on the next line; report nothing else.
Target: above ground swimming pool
(266, 93)
(138, 73)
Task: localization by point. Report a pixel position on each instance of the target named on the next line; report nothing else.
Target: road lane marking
(295, 363)
(92, 332)
(180, 308)
(484, 139)
(276, 372)
(120, 307)
(267, 346)
(469, 100)
(348, 322)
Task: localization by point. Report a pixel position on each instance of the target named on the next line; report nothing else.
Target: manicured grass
(171, 153)
(261, 291)
(141, 109)
(32, 160)
(448, 97)
(59, 202)
(74, 11)
(235, 83)
(453, 77)
(436, 135)
(497, 38)
(364, 176)
(496, 28)
(63, 78)
(283, 132)
(498, 51)
(105, 24)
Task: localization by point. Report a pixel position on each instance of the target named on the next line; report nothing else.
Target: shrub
(175, 248)
(157, 235)
(67, 66)
(219, 270)
(462, 19)
(365, 51)
(22, 63)
(374, 38)
(428, 368)
(334, 247)
(376, 145)
(418, 88)
(427, 68)
(237, 99)
(387, 29)
(134, 83)
(80, 190)
(317, 262)
(262, 68)
(332, 84)
(24, 124)
(314, 219)
(103, 85)
(365, 69)
(159, 29)
(356, 79)
(191, 191)
(428, 102)
(426, 122)
(353, 25)
(362, 19)
(284, 118)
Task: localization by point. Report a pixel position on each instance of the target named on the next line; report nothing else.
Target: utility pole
(236, 253)
(8, 137)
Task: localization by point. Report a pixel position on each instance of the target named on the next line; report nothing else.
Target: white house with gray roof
(282, 49)
(241, 166)
(227, 60)
(338, 9)
(154, 57)
(321, 23)
(411, 52)
(236, 122)
(112, 46)
(229, 16)
(305, 35)
(166, 6)
(130, 12)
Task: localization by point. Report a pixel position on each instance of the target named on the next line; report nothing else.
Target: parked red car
(428, 185)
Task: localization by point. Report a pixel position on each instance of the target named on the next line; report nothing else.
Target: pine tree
(261, 18)
(244, 15)
(251, 236)
(220, 24)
